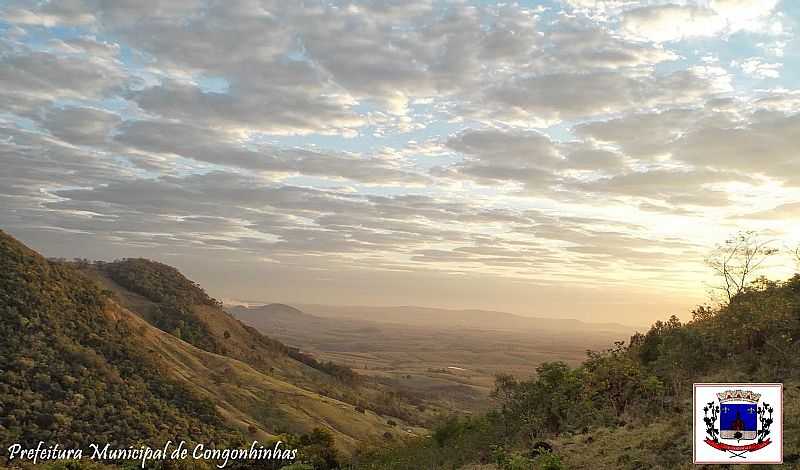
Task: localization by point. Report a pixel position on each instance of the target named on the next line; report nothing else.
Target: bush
(549, 461)
(510, 460)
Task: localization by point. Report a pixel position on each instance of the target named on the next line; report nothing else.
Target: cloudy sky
(574, 158)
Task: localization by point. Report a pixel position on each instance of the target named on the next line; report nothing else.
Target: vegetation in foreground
(629, 407)
(75, 370)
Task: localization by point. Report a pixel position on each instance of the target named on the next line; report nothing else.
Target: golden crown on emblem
(738, 395)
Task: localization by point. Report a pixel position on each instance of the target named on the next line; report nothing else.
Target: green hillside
(81, 364)
(173, 298)
(165, 298)
(628, 407)
(73, 373)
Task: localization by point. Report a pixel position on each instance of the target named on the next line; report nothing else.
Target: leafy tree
(317, 449)
(552, 402)
(615, 377)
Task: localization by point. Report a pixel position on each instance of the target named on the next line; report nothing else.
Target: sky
(574, 158)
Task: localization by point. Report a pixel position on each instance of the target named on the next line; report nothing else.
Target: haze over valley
(450, 354)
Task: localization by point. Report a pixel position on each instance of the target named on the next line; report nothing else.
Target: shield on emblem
(738, 421)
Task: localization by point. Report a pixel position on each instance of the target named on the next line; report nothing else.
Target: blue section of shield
(737, 417)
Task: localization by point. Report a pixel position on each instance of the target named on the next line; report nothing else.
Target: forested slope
(628, 407)
(74, 373)
(79, 366)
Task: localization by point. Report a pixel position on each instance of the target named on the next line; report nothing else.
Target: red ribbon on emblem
(745, 448)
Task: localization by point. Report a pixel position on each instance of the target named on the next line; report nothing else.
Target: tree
(614, 377)
(551, 403)
(738, 260)
(319, 450)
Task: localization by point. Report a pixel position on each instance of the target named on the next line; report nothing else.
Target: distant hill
(472, 318)
(277, 318)
(273, 311)
(132, 351)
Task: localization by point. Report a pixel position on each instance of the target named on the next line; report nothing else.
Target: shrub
(549, 461)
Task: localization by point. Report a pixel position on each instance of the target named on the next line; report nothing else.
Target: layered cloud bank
(346, 151)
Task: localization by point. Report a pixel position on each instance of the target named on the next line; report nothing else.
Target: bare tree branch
(737, 260)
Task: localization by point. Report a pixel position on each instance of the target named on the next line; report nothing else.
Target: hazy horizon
(559, 158)
(303, 306)
(628, 306)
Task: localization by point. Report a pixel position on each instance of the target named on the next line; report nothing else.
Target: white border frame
(741, 385)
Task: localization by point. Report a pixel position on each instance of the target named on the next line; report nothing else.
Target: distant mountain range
(438, 317)
(450, 356)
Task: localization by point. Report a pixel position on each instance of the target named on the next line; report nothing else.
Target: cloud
(34, 163)
(665, 21)
(589, 158)
(494, 146)
(765, 145)
(673, 186)
(789, 210)
(67, 13)
(575, 45)
(492, 157)
(565, 171)
(31, 79)
(271, 219)
(548, 99)
(570, 141)
(81, 126)
(244, 215)
(756, 68)
(275, 110)
(310, 67)
(221, 148)
(642, 135)
(672, 22)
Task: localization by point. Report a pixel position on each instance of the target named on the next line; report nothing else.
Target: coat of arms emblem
(738, 422)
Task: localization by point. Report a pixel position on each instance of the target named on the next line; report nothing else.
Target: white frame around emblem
(725, 458)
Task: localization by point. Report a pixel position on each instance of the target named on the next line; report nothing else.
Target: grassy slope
(75, 371)
(271, 390)
(255, 384)
(259, 391)
(246, 396)
(242, 343)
